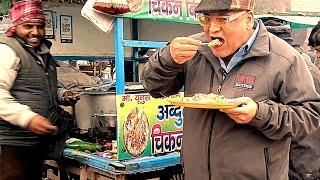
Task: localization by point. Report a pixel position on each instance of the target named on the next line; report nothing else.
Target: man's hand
(243, 114)
(40, 125)
(69, 98)
(183, 49)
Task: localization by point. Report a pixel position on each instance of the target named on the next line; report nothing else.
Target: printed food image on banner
(147, 126)
(136, 131)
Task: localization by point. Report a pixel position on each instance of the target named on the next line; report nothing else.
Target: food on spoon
(215, 42)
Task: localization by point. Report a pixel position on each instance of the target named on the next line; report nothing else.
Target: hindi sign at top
(167, 10)
(305, 5)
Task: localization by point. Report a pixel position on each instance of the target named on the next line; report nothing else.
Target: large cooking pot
(91, 103)
(96, 102)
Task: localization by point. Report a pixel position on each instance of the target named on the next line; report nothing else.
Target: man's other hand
(243, 114)
(69, 98)
(40, 125)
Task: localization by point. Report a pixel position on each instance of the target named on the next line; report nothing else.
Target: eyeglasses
(221, 21)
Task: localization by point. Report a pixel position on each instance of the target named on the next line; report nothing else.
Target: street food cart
(149, 131)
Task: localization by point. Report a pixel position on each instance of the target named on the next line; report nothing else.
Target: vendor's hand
(183, 49)
(243, 114)
(69, 98)
(40, 125)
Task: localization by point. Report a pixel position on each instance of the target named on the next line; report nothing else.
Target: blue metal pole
(119, 55)
(135, 36)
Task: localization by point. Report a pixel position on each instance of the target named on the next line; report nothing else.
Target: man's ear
(250, 20)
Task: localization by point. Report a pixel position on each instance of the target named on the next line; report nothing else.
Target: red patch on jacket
(243, 81)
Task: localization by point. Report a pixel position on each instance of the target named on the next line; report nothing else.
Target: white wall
(89, 41)
(165, 31)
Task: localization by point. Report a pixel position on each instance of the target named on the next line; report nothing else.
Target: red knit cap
(23, 11)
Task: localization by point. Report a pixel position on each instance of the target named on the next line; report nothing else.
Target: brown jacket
(214, 146)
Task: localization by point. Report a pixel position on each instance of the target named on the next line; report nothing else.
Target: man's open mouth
(216, 42)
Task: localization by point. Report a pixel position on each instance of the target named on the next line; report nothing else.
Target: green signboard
(147, 126)
(166, 10)
(4, 7)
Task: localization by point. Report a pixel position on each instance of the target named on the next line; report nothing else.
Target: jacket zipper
(219, 89)
(211, 128)
(224, 76)
(209, 145)
(49, 87)
(266, 159)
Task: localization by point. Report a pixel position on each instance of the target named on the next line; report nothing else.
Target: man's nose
(35, 30)
(214, 27)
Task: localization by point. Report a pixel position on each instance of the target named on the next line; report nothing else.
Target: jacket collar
(45, 45)
(38, 55)
(261, 46)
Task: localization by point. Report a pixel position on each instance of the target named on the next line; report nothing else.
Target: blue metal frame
(120, 43)
(135, 55)
(86, 58)
(119, 55)
(132, 166)
(147, 44)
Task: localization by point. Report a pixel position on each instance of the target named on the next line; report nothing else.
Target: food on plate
(206, 98)
(136, 132)
(209, 101)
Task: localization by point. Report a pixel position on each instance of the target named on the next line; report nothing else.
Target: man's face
(232, 33)
(32, 33)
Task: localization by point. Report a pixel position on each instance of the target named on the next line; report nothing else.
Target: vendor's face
(232, 34)
(31, 32)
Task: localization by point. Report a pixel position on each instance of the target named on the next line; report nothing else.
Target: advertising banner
(147, 126)
(4, 7)
(165, 10)
(5, 23)
(49, 24)
(66, 29)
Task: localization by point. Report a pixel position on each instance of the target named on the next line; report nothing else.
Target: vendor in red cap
(29, 118)
(236, 57)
